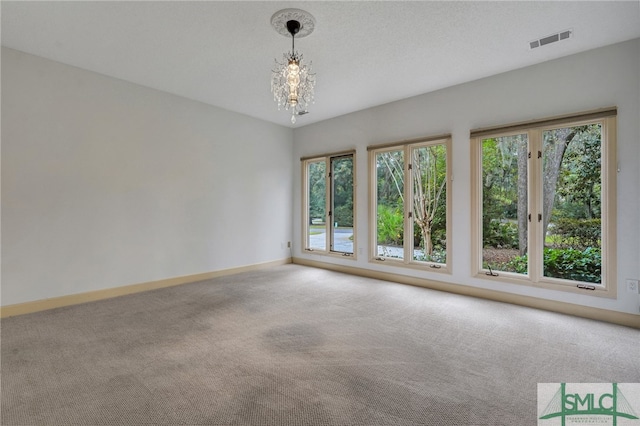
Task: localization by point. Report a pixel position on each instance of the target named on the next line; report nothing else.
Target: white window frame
(328, 220)
(535, 277)
(407, 261)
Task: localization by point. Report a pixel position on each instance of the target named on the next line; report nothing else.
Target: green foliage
(428, 198)
(580, 176)
(439, 237)
(572, 264)
(390, 178)
(390, 225)
(343, 190)
(343, 215)
(500, 177)
(569, 264)
(341, 185)
(519, 264)
(503, 160)
(317, 190)
(576, 233)
(567, 209)
(571, 191)
(500, 234)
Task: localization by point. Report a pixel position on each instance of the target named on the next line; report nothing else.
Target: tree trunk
(552, 164)
(426, 237)
(589, 203)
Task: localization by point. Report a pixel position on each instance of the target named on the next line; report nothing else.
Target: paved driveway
(341, 240)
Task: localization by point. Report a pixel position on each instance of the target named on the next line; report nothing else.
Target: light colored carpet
(294, 345)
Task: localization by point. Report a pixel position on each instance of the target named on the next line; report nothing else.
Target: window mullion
(536, 176)
(476, 205)
(329, 212)
(608, 178)
(408, 205)
(373, 203)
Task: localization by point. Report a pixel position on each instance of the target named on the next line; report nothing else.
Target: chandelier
(292, 82)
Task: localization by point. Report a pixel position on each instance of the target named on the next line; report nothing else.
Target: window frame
(407, 148)
(329, 201)
(534, 130)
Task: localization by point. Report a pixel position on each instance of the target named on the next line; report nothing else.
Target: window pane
(342, 204)
(504, 204)
(429, 174)
(390, 204)
(572, 187)
(316, 238)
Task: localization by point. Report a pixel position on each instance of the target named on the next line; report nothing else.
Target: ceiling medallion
(280, 18)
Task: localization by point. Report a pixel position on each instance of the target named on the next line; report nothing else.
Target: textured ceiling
(364, 53)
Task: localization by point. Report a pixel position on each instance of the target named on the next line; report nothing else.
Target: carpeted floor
(293, 345)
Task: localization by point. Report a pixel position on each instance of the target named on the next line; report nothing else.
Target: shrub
(344, 215)
(573, 264)
(576, 233)
(518, 264)
(439, 238)
(566, 263)
(500, 234)
(390, 225)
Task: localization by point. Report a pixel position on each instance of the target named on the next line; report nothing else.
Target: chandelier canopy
(292, 82)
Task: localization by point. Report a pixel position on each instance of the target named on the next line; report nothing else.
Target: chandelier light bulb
(293, 80)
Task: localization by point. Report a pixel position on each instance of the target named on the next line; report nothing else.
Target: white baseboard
(91, 296)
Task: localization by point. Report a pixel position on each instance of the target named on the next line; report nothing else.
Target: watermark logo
(562, 404)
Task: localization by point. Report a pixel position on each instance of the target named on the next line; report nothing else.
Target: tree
(342, 178)
(390, 197)
(555, 145)
(429, 190)
(390, 171)
(429, 183)
(580, 178)
(504, 169)
(575, 179)
(317, 190)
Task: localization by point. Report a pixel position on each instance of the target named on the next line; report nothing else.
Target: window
(329, 204)
(544, 199)
(410, 203)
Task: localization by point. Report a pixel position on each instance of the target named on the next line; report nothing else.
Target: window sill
(334, 254)
(399, 263)
(559, 285)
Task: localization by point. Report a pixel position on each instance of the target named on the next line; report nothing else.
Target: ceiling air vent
(562, 35)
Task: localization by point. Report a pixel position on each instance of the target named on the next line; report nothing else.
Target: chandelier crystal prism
(292, 82)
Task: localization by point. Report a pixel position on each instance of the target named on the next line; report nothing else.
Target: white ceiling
(364, 53)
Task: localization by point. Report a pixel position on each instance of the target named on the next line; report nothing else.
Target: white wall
(106, 183)
(608, 76)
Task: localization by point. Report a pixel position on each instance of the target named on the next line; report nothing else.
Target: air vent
(562, 35)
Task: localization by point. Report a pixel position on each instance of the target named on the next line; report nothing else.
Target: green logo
(584, 406)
